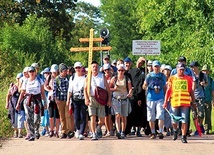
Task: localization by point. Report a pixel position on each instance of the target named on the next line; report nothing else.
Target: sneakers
(138, 134)
(153, 136)
(81, 137)
(20, 136)
(122, 135)
(160, 135)
(108, 134)
(94, 137)
(70, 134)
(184, 139)
(63, 136)
(31, 139)
(37, 135)
(51, 134)
(56, 135)
(196, 133)
(168, 133)
(118, 135)
(77, 133)
(175, 135)
(43, 132)
(27, 137)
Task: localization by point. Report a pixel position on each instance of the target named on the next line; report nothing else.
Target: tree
(184, 28)
(120, 19)
(56, 11)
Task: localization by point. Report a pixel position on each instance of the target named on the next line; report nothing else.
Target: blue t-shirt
(155, 81)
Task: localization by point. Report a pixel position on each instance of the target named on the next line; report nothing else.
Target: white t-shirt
(32, 87)
(97, 81)
(77, 84)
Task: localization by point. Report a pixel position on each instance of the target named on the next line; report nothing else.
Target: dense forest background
(44, 30)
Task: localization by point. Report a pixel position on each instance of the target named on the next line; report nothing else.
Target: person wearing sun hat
(76, 97)
(209, 99)
(155, 84)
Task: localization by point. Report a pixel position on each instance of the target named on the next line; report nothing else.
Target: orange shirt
(180, 88)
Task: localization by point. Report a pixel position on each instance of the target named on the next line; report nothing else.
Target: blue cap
(194, 64)
(19, 75)
(46, 70)
(180, 66)
(127, 59)
(156, 63)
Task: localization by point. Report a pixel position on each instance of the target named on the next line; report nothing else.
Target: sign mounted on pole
(146, 47)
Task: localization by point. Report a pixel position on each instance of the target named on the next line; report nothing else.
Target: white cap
(121, 66)
(77, 64)
(35, 65)
(168, 67)
(106, 66)
(163, 66)
(25, 69)
(54, 68)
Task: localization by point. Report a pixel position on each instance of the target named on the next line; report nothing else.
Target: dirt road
(109, 146)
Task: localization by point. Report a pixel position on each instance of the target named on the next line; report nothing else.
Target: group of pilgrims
(143, 100)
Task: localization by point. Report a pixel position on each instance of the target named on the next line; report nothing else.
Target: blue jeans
(183, 112)
(80, 115)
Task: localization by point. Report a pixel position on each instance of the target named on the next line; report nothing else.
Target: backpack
(126, 78)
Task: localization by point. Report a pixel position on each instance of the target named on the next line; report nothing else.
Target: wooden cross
(90, 49)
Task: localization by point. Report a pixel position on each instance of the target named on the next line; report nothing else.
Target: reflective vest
(181, 88)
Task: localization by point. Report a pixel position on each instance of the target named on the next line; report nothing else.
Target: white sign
(146, 47)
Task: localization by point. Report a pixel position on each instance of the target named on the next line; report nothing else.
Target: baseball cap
(106, 57)
(205, 68)
(168, 67)
(46, 70)
(31, 68)
(114, 61)
(62, 67)
(77, 64)
(35, 65)
(180, 66)
(54, 68)
(25, 69)
(19, 75)
(194, 64)
(149, 63)
(127, 59)
(156, 63)
(182, 58)
(121, 66)
(106, 66)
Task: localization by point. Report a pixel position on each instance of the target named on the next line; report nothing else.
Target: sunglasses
(77, 67)
(121, 70)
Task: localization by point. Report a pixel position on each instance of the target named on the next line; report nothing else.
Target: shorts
(200, 102)
(183, 112)
(155, 110)
(95, 108)
(120, 107)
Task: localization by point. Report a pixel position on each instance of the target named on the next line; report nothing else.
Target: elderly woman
(32, 93)
(121, 87)
(16, 117)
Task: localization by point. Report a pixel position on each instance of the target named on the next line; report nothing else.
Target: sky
(94, 2)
